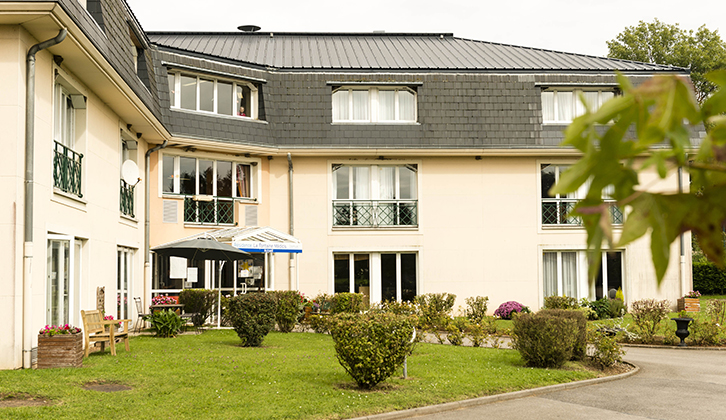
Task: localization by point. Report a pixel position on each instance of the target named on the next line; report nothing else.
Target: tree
(656, 112)
(661, 43)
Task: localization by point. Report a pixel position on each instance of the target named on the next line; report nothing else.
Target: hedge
(709, 279)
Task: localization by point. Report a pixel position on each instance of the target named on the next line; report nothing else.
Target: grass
(293, 376)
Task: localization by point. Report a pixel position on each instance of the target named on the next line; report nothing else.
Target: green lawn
(293, 376)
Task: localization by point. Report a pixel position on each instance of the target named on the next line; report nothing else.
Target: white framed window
(380, 276)
(561, 105)
(208, 94)
(197, 176)
(375, 195)
(556, 209)
(124, 280)
(374, 105)
(63, 280)
(69, 119)
(564, 273)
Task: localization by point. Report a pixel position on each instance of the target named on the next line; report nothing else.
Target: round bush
(506, 309)
(544, 341)
(371, 346)
(289, 309)
(252, 316)
(166, 323)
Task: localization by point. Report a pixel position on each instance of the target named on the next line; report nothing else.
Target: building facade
(402, 163)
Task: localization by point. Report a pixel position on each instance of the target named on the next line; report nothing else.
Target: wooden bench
(95, 328)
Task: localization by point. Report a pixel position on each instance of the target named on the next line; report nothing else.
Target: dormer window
(207, 94)
(374, 105)
(562, 105)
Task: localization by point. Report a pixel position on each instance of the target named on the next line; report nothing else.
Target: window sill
(132, 221)
(409, 123)
(572, 227)
(171, 196)
(208, 225)
(67, 199)
(375, 228)
(223, 116)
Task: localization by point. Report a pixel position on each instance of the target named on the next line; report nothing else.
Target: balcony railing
(67, 166)
(126, 199)
(375, 213)
(208, 210)
(556, 211)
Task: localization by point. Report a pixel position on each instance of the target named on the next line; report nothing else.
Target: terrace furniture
(140, 322)
(97, 329)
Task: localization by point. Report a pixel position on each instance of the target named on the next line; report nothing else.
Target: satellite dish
(130, 172)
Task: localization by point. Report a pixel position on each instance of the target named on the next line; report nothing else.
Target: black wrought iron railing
(67, 167)
(375, 213)
(557, 211)
(208, 210)
(126, 199)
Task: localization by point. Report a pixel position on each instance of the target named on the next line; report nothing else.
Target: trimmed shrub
(395, 307)
(252, 316)
(435, 309)
(289, 309)
(647, 314)
(166, 323)
(371, 346)
(543, 340)
(506, 309)
(709, 279)
(476, 308)
(580, 347)
(199, 302)
(319, 323)
(477, 335)
(560, 302)
(457, 330)
(606, 349)
(351, 303)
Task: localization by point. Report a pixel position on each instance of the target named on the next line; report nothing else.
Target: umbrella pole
(219, 296)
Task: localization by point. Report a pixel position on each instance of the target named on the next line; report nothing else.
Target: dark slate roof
(385, 51)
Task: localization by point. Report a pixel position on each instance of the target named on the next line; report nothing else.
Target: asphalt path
(671, 384)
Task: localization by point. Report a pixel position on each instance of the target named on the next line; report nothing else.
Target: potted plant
(60, 346)
(691, 302)
(110, 318)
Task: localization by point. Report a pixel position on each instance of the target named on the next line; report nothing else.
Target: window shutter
(250, 215)
(170, 211)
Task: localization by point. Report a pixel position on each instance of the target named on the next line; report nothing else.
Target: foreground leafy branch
(648, 127)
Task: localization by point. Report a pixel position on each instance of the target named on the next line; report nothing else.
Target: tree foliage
(658, 113)
(702, 51)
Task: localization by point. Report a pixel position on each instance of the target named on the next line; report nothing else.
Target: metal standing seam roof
(385, 51)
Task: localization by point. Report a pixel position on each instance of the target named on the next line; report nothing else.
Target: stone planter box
(689, 304)
(62, 350)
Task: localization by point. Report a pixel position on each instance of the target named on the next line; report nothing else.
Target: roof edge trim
(370, 83)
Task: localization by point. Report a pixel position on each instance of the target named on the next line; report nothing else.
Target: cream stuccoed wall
(479, 231)
(94, 220)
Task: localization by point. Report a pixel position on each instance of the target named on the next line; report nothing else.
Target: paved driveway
(672, 384)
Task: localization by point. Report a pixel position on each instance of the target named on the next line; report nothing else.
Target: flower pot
(682, 329)
(62, 350)
(689, 304)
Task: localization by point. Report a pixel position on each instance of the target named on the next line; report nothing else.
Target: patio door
(124, 277)
(380, 276)
(63, 280)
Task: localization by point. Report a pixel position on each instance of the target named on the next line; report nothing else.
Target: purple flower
(505, 310)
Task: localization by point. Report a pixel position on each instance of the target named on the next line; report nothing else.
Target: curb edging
(473, 402)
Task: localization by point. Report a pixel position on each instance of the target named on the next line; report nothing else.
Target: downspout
(293, 266)
(682, 266)
(29, 180)
(147, 229)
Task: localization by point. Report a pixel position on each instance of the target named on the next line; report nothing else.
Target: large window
(375, 195)
(208, 94)
(565, 274)
(67, 162)
(378, 276)
(374, 105)
(124, 279)
(564, 105)
(63, 280)
(209, 187)
(557, 208)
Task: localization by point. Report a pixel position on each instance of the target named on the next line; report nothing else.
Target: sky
(578, 26)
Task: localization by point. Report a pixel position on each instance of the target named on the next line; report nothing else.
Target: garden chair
(95, 328)
(140, 321)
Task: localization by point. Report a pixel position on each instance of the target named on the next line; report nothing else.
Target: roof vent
(249, 28)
